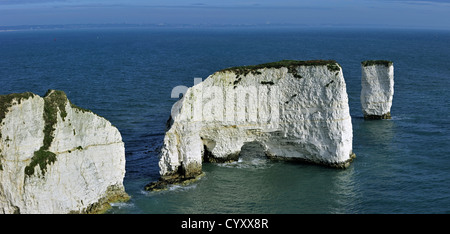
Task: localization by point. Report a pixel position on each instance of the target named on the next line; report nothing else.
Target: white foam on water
(124, 205)
(180, 188)
(248, 163)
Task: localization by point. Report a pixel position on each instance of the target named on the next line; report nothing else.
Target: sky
(433, 14)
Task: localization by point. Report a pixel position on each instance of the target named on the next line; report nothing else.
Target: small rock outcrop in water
(377, 88)
(56, 157)
(295, 110)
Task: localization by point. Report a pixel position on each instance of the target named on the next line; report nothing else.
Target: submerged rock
(56, 157)
(377, 88)
(295, 110)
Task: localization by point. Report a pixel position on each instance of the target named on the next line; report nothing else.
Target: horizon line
(24, 27)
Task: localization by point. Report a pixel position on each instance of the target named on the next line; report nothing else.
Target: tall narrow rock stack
(56, 157)
(377, 88)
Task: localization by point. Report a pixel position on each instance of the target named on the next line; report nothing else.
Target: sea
(126, 74)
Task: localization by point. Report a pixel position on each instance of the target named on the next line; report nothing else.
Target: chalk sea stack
(295, 110)
(56, 157)
(377, 88)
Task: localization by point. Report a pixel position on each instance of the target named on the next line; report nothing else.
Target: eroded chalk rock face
(56, 157)
(296, 110)
(377, 88)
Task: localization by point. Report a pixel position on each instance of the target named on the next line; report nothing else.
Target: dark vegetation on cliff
(54, 100)
(291, 65)
(376, 62)
(6, 102)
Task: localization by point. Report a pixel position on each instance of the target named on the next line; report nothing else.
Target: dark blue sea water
(126, 75)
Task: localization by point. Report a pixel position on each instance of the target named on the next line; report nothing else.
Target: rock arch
(298, 110)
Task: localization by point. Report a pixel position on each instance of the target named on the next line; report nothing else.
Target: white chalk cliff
(295, 110)
(377, 88)
(56, 157)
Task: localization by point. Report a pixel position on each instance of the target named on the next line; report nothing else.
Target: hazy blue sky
(384, 13)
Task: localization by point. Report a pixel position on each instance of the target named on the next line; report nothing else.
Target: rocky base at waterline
(176, 179)
(56, 157)
(375, 117)
(295, 110)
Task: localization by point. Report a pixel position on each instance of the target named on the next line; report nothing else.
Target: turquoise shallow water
(126, 75)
